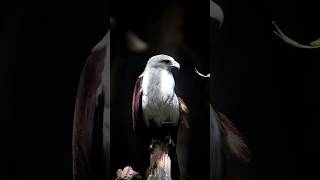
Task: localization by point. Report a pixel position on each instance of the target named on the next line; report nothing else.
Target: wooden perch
(159, 168)
(160, 162)
(313, 45)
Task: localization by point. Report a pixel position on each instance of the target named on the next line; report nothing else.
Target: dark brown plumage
(90, 143)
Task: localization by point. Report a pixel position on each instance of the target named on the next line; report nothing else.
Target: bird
(91, 121)
(157, 111)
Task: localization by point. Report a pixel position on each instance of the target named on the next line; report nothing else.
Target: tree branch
(160, 162)
(159, 168)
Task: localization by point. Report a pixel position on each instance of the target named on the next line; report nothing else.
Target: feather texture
(136, 101)
(234, 147)
(183, 113)
(89, 151)
(228, 151)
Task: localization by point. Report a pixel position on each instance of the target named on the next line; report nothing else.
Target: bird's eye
(166, 61)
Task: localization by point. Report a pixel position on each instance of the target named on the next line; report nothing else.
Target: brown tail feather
(234, 146)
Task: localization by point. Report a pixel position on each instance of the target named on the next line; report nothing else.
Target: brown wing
(136, 101)
(88, 136)
(143, 138)
(183, 113)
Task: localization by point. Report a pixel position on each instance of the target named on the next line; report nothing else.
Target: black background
(44, 45)
(268, 88)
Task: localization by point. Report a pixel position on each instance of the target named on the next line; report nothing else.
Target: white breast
(159, 101)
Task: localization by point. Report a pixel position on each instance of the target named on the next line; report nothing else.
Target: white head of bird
(163, 62)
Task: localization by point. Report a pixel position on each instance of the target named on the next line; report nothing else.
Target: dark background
(268, 88)
(44, 45)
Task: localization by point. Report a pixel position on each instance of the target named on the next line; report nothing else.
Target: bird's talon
(170, 141)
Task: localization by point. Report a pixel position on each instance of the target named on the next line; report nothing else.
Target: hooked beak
(175, 64)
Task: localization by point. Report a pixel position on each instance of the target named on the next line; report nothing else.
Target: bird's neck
(158, 80)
